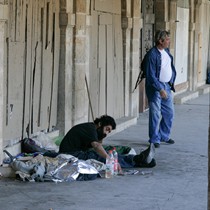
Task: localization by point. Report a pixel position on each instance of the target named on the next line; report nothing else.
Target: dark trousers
(125, 161)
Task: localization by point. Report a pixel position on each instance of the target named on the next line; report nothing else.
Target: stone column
(3, 69)
(202, 22)
(192, 75)
(66, 66)
(161, 14)
(127, 24)
(69, 65)
(196, 47)
(166, 19)
(66, 24)
(80, 60)
(172, 20)
(135, 45)
(73, 97)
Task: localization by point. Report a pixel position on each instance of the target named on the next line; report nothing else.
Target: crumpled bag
(34, 171)
(75, 170)
(63, 168)
(97, 164)
(44, 141)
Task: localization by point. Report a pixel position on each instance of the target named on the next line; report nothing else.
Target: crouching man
(82, 137)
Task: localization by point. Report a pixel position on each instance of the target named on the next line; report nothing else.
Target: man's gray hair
(161, 35)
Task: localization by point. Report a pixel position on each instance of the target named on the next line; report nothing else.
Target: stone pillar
(131, 25)
(135, 45)
(196, 50)
(203, 18)
(172, 24)
(166, 19)
(69, 64)
(161, 14)
(127, 24)
(80, 59)
(66, 24)
(192, 75)
(73, 97)
(3, 69)
(66, 68)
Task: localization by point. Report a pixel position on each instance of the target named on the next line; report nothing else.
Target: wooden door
(32, 67)
(181, 54)
(106, 63)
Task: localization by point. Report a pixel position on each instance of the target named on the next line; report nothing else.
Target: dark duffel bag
(29, 146)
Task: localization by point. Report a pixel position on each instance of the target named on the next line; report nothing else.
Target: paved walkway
(178, 182)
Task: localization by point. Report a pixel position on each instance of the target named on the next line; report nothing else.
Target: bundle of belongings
(46, 164)
(58, 169)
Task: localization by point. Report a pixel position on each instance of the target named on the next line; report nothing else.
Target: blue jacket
(152, 65)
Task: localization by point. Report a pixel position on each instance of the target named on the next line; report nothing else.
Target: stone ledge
(183, 97)
(188, 95)
(204, 89)
(123, 123)
(7, 171)
(3, 12)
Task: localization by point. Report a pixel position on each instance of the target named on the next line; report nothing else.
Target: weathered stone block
(81, 6)
(3, 12)
(150, 18)
(80, 50)
(79, 77)
(127, 23)
(71, 19)
(81, 104)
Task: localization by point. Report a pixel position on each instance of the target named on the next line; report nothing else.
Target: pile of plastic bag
(63, 168)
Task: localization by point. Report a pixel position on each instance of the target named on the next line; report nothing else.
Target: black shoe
(170, 141)
(151, 153)
(146, 156)
(157, 145)
(148, 165)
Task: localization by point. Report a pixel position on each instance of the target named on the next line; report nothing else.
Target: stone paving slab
(178, 182)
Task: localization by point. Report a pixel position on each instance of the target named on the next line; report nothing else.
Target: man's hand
(97, 146)
(163, 94)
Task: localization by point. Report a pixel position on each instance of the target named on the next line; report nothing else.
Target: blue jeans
(125, 161)
(161, 114)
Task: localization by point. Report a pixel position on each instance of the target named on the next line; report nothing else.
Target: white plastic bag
(46, 142)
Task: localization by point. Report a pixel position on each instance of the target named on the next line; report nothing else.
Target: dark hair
(106, 120)
(161, 34)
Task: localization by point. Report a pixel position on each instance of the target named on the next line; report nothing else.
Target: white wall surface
(181, 46)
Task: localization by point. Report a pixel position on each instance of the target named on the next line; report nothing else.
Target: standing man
(160, 78)
(84, 141)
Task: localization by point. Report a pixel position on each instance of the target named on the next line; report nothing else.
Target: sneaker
(146, 156)
(170, 141)
(157, 145)
(148, 165)
(151, 164)
(151, 154)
